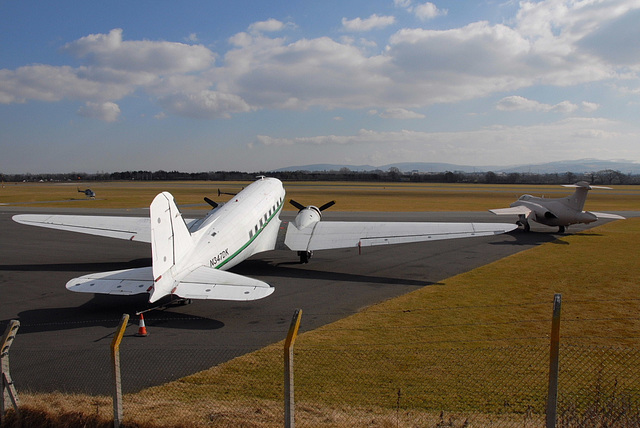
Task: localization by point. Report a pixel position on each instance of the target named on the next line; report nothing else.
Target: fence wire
(434, 381)
(376, 386)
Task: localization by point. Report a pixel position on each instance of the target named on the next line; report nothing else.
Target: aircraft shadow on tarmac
(78, 267)
(266, 268)
(539, 237)
(106, 311)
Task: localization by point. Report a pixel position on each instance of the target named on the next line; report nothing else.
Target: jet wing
(129, 228)
(607, 215)
(336, 234)
(202, 283)
(513, 210)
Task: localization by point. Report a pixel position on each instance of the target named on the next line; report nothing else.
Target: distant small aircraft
(88, 192)
(190, 257)
(560, 212)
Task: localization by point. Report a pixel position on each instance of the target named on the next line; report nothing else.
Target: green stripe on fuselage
(242, 248)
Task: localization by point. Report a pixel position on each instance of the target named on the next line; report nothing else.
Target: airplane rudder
(170, 237)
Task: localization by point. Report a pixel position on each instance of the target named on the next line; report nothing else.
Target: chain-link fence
(401, 384)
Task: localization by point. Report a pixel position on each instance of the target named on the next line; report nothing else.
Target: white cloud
(427, 11)
(400, 113)
(371, 23)
(402, 3)
(204, 104)
(551, 42)
(49, 83)
(110, 51)
(518, 103)
(107, 111)
(570, 138)
(423, 11)
(268, 26)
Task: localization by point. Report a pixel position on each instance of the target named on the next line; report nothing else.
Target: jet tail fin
(170, 242)
(579, 197)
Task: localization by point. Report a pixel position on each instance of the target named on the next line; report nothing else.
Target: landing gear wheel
(305, 256)
(527, 227)
(560, 229)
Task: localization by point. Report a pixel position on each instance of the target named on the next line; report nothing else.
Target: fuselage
(245, 225)
(555, 212)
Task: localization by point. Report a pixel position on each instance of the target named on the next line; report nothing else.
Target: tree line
(604, 177)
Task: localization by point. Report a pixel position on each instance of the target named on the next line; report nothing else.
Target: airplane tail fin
(579, 197)
(170, 242)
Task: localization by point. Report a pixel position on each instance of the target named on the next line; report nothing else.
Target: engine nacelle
(307, 217)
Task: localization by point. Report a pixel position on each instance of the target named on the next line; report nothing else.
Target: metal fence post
(289, 403)
(554, 363)
(9, 392)
(115, 358)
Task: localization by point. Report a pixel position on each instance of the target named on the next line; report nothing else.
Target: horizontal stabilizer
(127, 282)
(607, 215)
(513, 210)
(213, 284)
(202, 283)
(335, 234)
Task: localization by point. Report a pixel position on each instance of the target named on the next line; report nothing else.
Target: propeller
(225, 193)
(299, 206)
(210, 202)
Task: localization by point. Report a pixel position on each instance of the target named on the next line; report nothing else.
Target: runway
(64, 339)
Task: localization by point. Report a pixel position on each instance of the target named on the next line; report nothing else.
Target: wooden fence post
(9, 392)
(289, 402)
(554, 363)
(115, 358)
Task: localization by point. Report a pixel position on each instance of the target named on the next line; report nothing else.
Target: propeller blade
(225, 193)
(327, 205)
(210, 202)
(298, 205)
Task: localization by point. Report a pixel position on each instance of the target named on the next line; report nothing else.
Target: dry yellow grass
(402, 197)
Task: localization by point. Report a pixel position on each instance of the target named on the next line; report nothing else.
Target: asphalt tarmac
(64, 339)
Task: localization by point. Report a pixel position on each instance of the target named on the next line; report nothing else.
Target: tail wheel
(305, 256)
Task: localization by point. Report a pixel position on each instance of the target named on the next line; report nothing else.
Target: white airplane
(190, 257)
(560, 212)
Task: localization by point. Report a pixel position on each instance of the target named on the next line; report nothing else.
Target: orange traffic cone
(142, 330)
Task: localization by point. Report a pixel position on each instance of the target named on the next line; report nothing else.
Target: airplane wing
(607, 215)
(202, 283)
(513, 210)
(129, 228)
(336, 234)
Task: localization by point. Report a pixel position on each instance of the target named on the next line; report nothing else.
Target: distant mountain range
(575, 166)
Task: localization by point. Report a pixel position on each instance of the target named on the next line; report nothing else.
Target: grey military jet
(560, 212)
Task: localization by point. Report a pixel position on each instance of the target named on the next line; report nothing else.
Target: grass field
(403, 197)
(470, 344)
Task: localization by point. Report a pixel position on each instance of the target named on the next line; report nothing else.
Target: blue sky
(254, 85)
